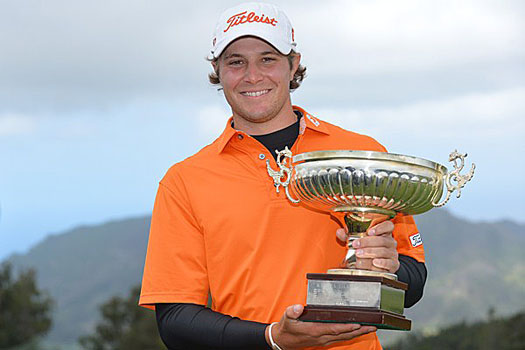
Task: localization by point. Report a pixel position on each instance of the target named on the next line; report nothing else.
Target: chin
(258, 116)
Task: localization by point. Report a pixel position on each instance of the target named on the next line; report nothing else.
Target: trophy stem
(357, 226)
(358, 222)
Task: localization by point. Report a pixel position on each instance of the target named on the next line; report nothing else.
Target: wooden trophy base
(335, 314)
(367, 300)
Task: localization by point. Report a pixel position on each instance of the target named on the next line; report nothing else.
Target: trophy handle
(284, 172)
(453, 180)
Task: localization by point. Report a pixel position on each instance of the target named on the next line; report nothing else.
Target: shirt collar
(308, 122)
(226, 135)
(311, 122)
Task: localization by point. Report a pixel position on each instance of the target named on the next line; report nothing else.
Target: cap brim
(283, 47)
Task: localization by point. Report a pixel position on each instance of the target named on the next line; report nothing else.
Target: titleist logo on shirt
(416, 240)
(242, 18)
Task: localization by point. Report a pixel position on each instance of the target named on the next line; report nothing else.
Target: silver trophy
(367, 188)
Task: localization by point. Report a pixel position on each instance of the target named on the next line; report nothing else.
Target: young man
(220, 227)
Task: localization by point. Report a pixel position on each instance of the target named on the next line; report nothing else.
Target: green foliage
(124, 326)
(24, 309)
(501, 334)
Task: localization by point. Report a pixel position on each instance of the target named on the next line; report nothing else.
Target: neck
(283, 119)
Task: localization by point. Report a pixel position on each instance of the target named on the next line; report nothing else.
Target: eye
(234, 63)
(268, 59)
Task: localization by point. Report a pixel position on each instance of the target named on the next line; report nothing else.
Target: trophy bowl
(374, 182)
(366, 188)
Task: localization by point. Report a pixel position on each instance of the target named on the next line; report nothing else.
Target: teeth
(256, 93)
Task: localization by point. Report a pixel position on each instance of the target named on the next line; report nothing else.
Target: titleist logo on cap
(241, 18)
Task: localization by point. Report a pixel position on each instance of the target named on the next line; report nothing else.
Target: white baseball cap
(259, 19)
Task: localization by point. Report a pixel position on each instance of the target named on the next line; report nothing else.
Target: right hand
(377, 251)
(290, 333)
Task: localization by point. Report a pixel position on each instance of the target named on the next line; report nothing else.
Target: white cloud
(73, 55)
(16, 125)
(494, 115)
(377, 36)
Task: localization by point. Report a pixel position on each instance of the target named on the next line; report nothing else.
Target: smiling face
(256, 78)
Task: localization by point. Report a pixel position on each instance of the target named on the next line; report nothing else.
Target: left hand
(377, 251)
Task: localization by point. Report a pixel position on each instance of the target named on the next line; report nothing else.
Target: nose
(253, 74)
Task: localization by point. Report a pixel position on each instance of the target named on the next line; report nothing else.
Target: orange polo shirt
(219, 226)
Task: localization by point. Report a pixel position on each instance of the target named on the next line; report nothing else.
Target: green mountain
(472, 266)
(84, 267)
(494, 333)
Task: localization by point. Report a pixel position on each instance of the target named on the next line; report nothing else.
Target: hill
(472, 266)
(84, 267)
(494, 333)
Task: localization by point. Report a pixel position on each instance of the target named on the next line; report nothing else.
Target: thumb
(341, 234)
(293, 312)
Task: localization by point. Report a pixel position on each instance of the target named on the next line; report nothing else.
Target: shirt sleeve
(175, 270)
(408, 239)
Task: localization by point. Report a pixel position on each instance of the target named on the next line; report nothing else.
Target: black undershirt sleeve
(190, 326)
(413, 273)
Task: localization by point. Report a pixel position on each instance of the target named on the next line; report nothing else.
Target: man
(220, 227)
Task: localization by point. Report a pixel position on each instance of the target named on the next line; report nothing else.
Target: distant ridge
(83, 267)
(472, 266)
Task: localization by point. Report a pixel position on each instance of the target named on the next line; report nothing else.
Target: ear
(296, 60)
(215, 65)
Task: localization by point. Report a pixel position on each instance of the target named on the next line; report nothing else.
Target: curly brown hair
(298, 76)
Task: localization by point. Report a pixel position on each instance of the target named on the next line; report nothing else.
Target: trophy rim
(368, 155)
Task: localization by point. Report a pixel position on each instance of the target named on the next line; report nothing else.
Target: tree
(124, 326)
(494, 333)
(24, 309)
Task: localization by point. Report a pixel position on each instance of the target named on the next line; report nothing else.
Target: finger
(391, 265)
(349, 335)
(293, 312)
(317, 329)
(368, 264)
(364, 264)
(341, 234)
(369, 329)
(375, 241)
(376, 252)
(335, 329)
(384, 228)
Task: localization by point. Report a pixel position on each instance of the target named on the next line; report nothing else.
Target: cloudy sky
(99, 98)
